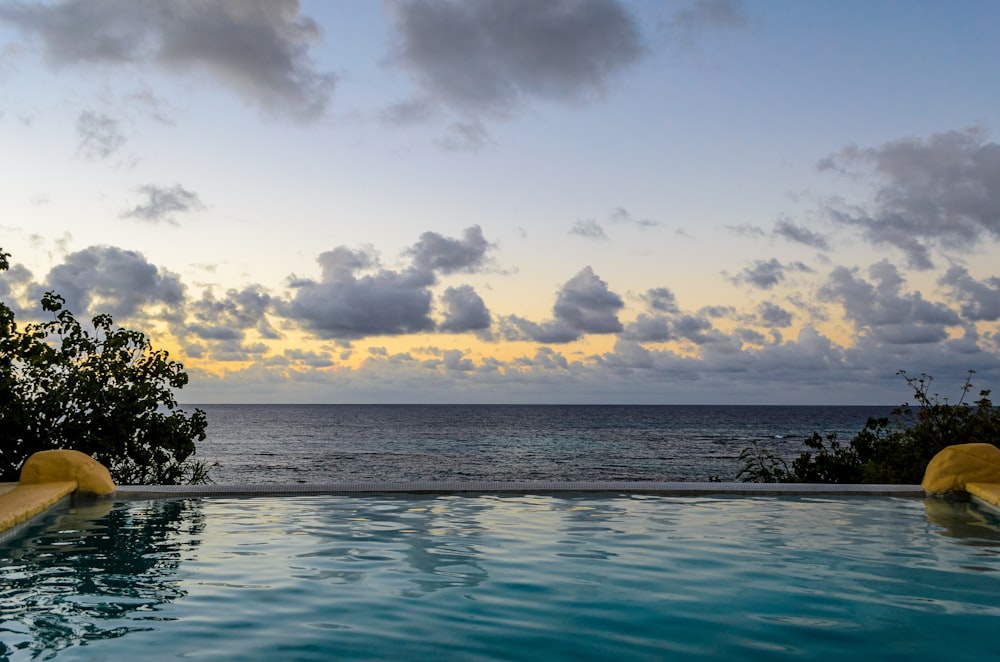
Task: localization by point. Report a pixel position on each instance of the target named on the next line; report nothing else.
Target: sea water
(505, 578)
(331, 443)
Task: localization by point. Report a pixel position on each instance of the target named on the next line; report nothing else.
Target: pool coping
(518, 487)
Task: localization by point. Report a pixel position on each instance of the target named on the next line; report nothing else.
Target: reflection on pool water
(504, 577)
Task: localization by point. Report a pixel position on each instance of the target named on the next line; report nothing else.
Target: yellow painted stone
(955, 466)
(60, 465)
(25, 501)
(988, 492)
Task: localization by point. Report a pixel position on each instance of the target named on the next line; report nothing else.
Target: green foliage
(106, 393)
(760, 465)
(896, 450)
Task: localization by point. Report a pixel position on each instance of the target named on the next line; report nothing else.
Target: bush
(895, 450)
(106, 393)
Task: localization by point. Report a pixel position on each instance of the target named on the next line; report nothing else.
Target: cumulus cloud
(802, 235)
(882, 309)
(941, 192)
(490, 56)
(765, 274)
(774, 315)
(347, 303)
(434, 252)
(650, 328)
(464, 310)
(229, 317)
(162, 203)
(589, 229)
(257, 48)
(979, 301)
(100, 135)
(584, 305)
(107, 279)
(661, 299)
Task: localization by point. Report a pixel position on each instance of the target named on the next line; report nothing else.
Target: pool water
(504, 578)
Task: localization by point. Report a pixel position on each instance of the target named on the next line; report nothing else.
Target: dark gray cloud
(650, 328)
(765, 274)
(490, 55)
(700, 15)
(230, 317)
(307, 358)
(661, 299)
(434, 252)
(801, 235)
(588, 228)
(347, 304)
(162, 203)
(464, 310)
(107, 279)
(980, 301)
(882, 310)
(258, 48)
(584, 305)
(942, 192)
(100, 135)
(695, 328)
(774, 315)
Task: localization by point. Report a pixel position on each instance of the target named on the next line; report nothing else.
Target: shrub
(106, 393)
(894, 450)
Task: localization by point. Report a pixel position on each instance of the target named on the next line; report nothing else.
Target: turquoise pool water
(504, 578)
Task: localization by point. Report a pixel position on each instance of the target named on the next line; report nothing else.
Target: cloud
(589, 229)
(766, 274)
(650, 328)
(774, 315)
(801, 235)
(465, 137)
(258, 48)
(464, 310)
(229, 317)
(434, 252)
(584, 305)
(622, 215)
(100, 135)
(881, 309)
(661, 299)
(347, 304)
(710, 14)
(162, 203)
(746, 230)
(942, 192)
(107, 279)
(490, 56)
(980, 301)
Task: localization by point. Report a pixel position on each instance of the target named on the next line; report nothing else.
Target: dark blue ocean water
(323, 443)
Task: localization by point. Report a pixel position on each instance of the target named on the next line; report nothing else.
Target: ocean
(333, 443)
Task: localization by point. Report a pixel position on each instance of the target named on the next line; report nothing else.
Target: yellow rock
(61, 465)
(25, 501)
(987, 492)
(957, 465)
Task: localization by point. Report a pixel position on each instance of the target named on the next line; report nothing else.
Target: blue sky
(705, 201)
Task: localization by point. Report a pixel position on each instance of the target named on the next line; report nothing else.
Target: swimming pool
(504, 577)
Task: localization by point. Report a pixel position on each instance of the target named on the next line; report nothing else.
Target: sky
(513, 201)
